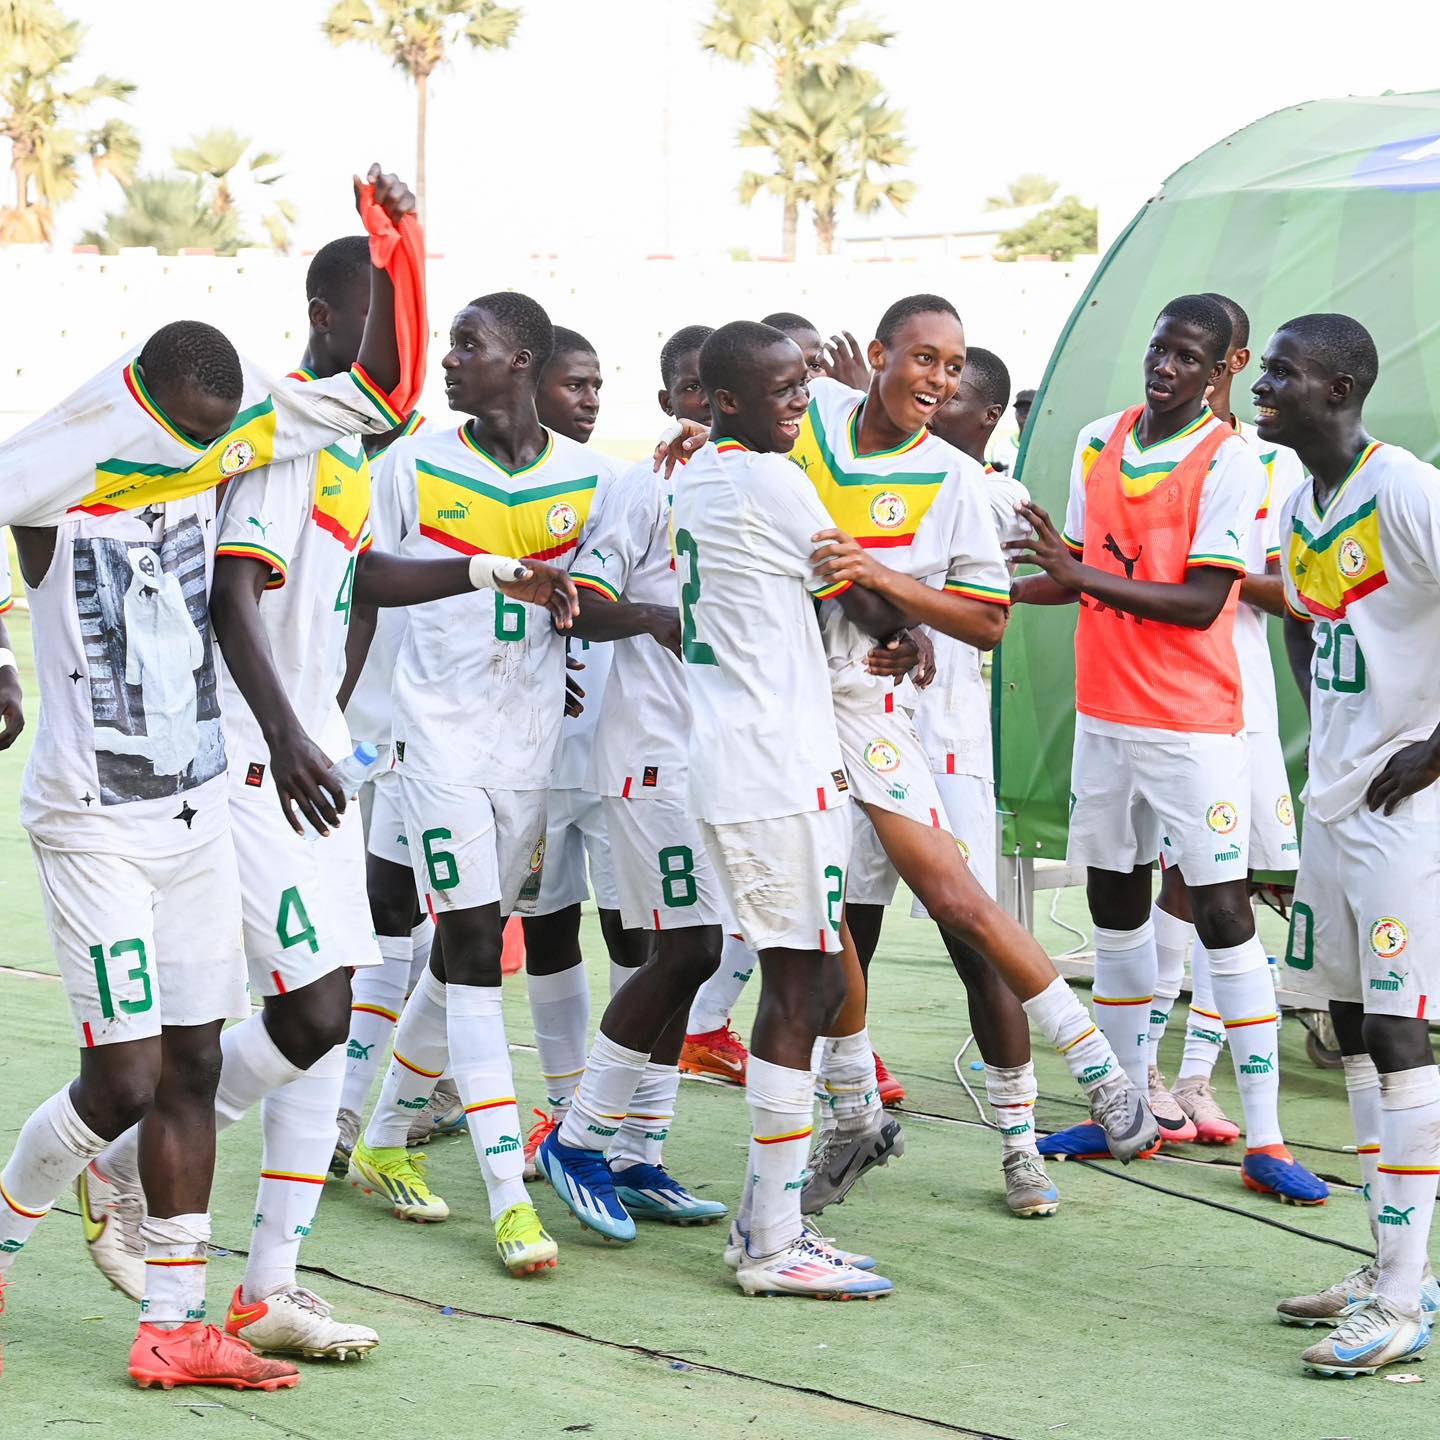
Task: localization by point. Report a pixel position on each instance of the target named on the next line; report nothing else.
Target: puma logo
(1129, 562)
(262, 526)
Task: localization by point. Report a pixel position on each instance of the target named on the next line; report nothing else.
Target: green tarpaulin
(1332, 205)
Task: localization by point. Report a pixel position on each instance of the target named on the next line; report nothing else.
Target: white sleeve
(1286, 476)
(265, 514)
(1073, 532)
(783, 517)
(1233, 492)
(621, 528)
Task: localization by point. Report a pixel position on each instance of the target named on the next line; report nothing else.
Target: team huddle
(737, 691)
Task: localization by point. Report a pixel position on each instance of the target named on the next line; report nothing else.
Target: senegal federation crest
(888, 510)
(537, 855)
(561, 520)
(882, 756)
(1222, 817)
(1285, 811)
(1353, 558)
(238, 455)
(1388, 937)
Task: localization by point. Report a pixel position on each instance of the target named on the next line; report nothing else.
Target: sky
(605, 129)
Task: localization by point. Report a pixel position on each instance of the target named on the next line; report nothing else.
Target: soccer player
(804, 334)
(568, 402)
(1361, 567)
(899, 492)
(12, 711)
(1162, 498)
(668, 891)
(478, 696)
(765, 775)
(1191, 1111)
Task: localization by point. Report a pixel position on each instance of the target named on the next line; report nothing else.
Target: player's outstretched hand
(839, 558)
(392, 194)
(12, 712)
(678, 442)
(546, 586)
(842, 359)
(304, 783)
(1407, 771)
(574, 695)
(1047, 548)
(911, 653)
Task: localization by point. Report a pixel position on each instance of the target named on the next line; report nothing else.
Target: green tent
(1332, 205)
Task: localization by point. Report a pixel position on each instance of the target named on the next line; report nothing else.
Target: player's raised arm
(387, 337)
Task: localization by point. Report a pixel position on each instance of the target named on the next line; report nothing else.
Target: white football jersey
(479, 685)
(762, 739)
(577, 732)
(643, 733)
(1366, 572)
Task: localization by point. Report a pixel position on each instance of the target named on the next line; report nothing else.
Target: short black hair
(724, 356)
(571, 342)
(337, 266)
(985, 372)
(910, 305)
(685, 341)
(1207, 316)
(789, 322)
(1239, 320)
(190, 352)
(523, 322)
(1341, 344)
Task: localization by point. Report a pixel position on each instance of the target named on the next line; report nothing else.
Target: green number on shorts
(301, 932)
(1300, 946)
(835, 895)
(677, 876)
(1339, 663)
(696, 652)
(509, 618)
(444, 872)
(141, 972)
(347, 590)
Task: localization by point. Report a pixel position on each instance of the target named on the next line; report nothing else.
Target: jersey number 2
(696, 652)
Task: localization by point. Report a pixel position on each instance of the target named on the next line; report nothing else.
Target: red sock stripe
(1256, 1020)
(1408, 1169)
(1084, 1035)
(175, 1264)
(1367, 1149)
(1208, 1014)
(20, 1209)
(415, 1069)
(492, 1104)
(782, 1139)
(1121, 999)
(380, 1010)
(292, 1175)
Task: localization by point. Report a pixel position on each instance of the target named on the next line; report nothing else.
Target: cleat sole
(1352, 1372)
(1037, 1212)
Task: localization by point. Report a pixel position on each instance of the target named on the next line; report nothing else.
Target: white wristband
(486, 569)
(7, 657)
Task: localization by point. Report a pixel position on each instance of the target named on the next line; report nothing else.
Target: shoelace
(1349, 1285)
(729, 1040)
(1366, 1325)
(813, 1247)
(309, 1300)
(1030, 1166)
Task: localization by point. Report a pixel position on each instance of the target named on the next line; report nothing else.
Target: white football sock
(174, 1269)
(1409, 1170)
(715, 1000)
(1362, 1088)
(1065, 1023)
(560, 1009)
(416, 1063)
(1245, 998)
(298, 1123)
(422, 941)
(605, 1096)
(251, 1067)
(53, 1147)
(1173, 938)
(480, 1066)
(1124, 989)
(1012, 1092)
(849, 1090)
(1204, 1029)
(377, 995)
(646, 1126)
(781, 1110)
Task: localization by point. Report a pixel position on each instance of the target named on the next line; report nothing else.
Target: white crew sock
(1245, 998)
(422, 941)
(646, 1126)
(1362, 1088)
(1064, 1022)
(298, 1123)
(1204, 1029)
(605, 1096)
(781, 1110)
(1173, 938)
(560, 1009)
(480, 1065)
(1409, 1170)
(377, 995)
(1012, 1092)
(174, 1269)
(417, 1062)
(715, 1000)
(849, 1091)
(1124, 989)
(53, 1147)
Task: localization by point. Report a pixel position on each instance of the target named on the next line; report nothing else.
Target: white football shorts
(574, 834)
(662, 870)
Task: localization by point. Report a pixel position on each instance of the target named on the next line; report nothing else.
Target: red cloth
(400, 252)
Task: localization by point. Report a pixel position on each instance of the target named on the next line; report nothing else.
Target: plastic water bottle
(348, 775)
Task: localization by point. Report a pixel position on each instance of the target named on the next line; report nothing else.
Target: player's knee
(111, 1106)
(1396, 1042)
(392, 914)
(191, 1075)
(1222, 923)
(473, 957)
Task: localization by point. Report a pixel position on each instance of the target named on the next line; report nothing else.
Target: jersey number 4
(695, 651)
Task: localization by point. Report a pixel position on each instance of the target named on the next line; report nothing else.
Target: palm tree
(796, 39)
(37, 46)
(1027, 189)
(216, 156)
(418, 39)
(170, 212)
